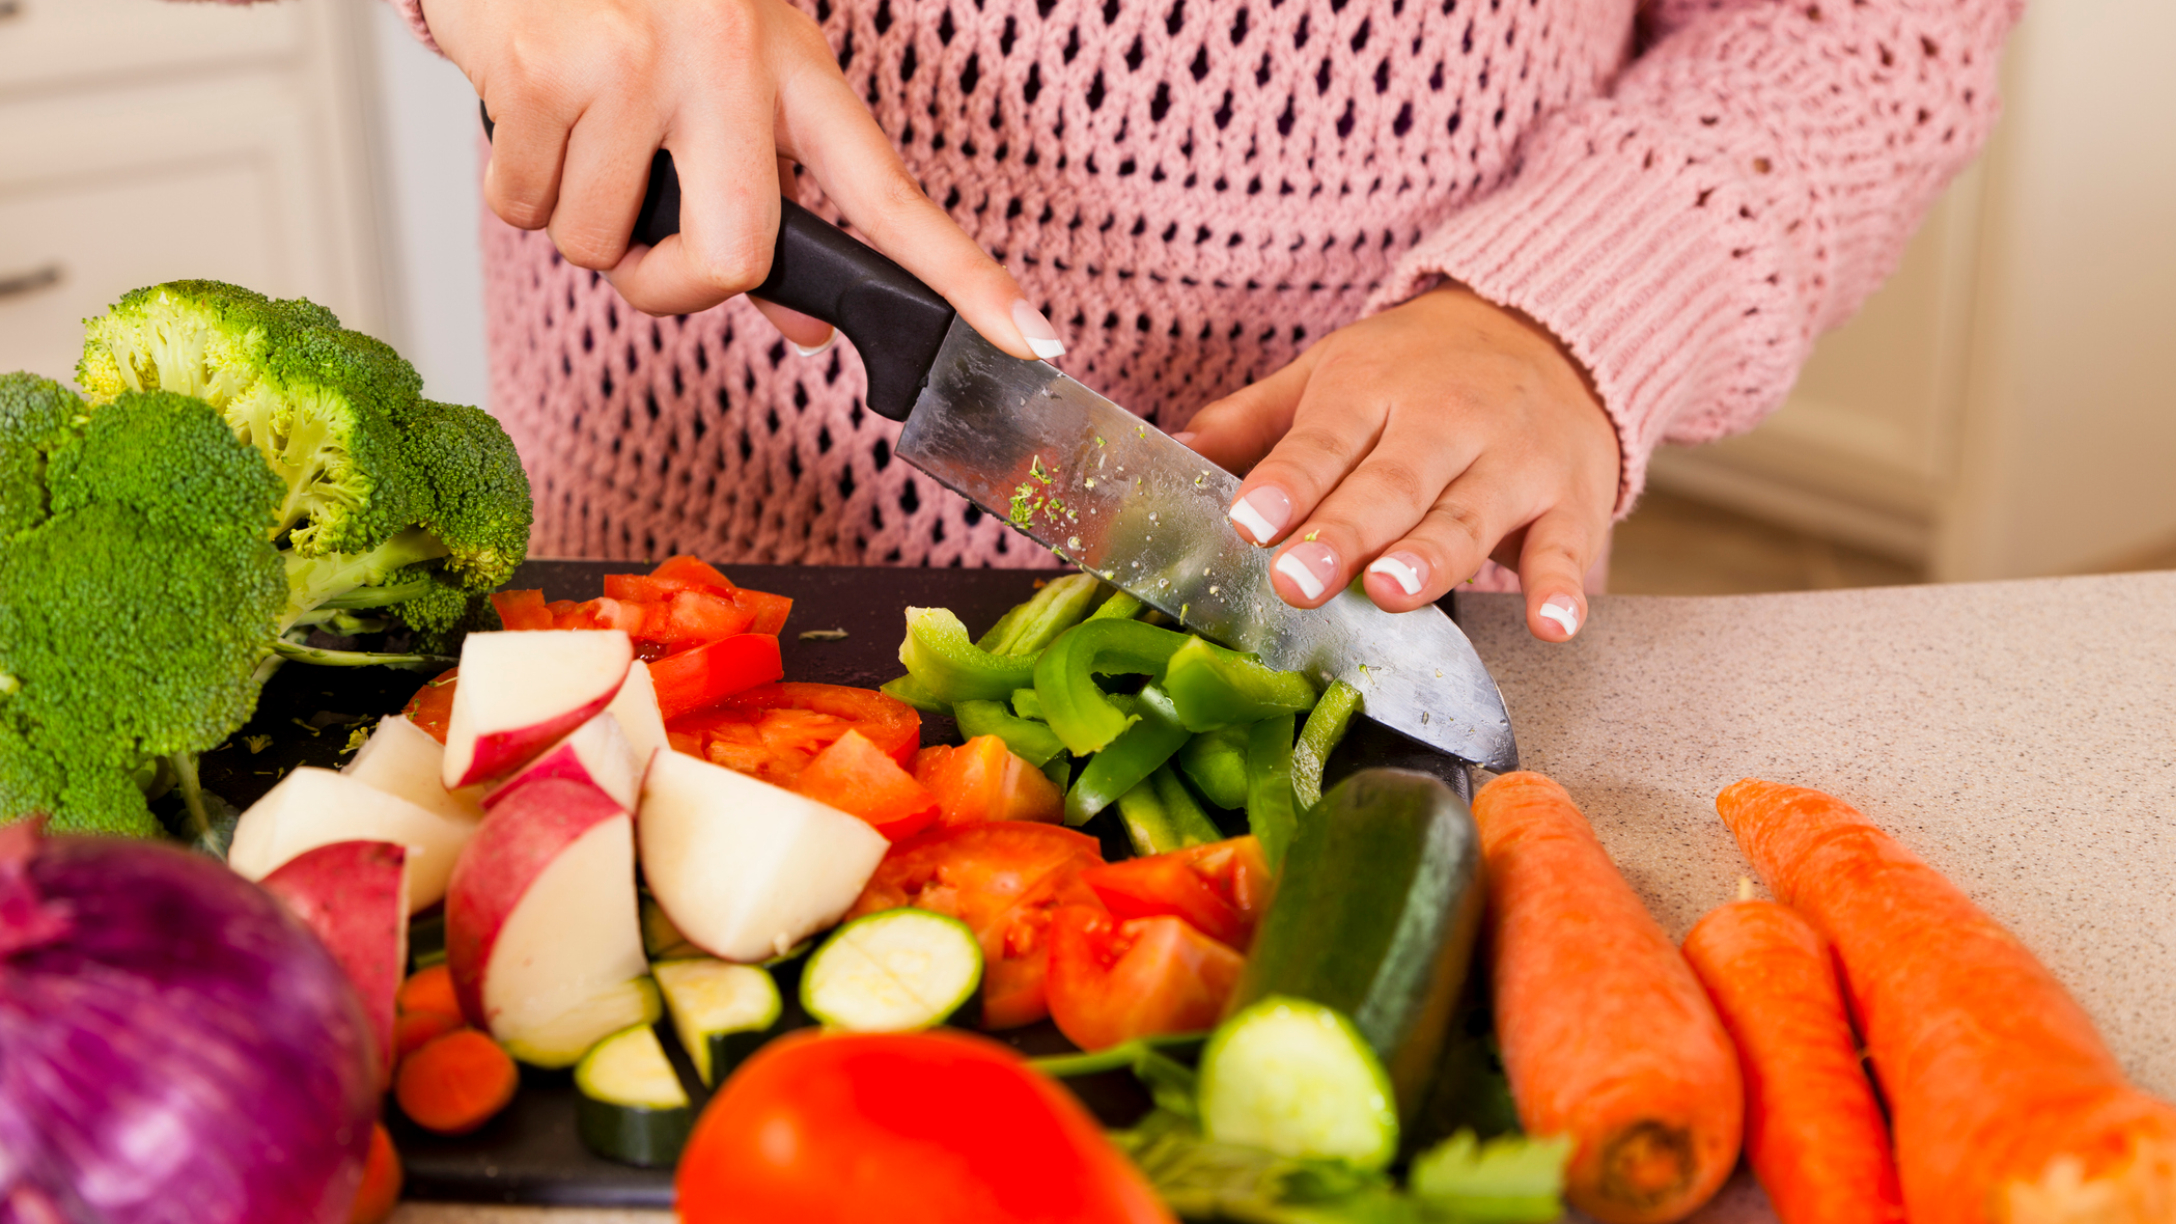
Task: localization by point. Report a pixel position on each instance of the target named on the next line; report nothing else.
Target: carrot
(414, 1029)
(1606, 1035)
(455, 1083)
(428, 990)
(1813, 1131)
(2007, 1105)
(380, 1191)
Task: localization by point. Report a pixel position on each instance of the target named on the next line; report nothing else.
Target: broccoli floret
(170, 459)
(442, 611)
(36, 416)
(476, 497)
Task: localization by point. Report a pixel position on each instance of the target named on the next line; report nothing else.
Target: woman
(1438, 275)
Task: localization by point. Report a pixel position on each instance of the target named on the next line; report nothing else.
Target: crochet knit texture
(1686, 192)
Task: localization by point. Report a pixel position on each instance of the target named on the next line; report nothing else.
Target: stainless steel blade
(1116, 496)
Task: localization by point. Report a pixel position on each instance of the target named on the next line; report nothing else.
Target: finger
(728, 204)
(831, 132)
(1335, 425)
(603, 177)
(1560, 547)
(1381, 500)
(528, 146)
(807, 335)
(1236, 431)
(1450, 541)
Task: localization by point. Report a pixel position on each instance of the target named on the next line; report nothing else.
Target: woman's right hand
(582, 92)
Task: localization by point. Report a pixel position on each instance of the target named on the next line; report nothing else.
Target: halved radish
(744, 869)
(636, 708)
(522, 691)
(354, 896)
(402, 759)
(314, 807)
(542, 936)
(595, 755)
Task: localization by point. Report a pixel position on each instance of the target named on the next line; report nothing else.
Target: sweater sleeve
(1744, 184)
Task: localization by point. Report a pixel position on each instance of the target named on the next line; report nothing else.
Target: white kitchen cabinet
(2004, 406)
(143, 141)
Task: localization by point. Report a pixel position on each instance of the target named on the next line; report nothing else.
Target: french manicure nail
(1404, 568)
(820, 349)
(1560, 609)
(1184, 437)
(1310, 566)
(1042, 338)
(1264, 512)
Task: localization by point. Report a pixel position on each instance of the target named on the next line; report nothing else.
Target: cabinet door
(55, 42)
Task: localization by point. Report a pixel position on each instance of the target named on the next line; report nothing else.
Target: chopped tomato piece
(710, 673)
(774, 731)
(521, 609)
(983, 780)
(854, 775)
(1113, 979)
(1003, 879)
(700, 616)
(1221, 888)
(685, 573)
(639, 588)
(432, 706)
(767, 611)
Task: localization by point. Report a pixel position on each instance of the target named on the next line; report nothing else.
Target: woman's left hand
(1414, 445)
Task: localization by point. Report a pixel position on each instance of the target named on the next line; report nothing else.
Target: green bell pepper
(1217, 762)
(1160, 816)
(1027, 705)
(1215, 687)
(1032, 625)
(1122, 605)
(1078, 710)
(1271, 814)
(1032, 742)
(952, 669)
(1129, 759)
(914, 693)
(1325, 726)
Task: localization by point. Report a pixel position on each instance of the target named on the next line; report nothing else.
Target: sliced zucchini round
(720, 1011)
(632, 1108)
(892, 972)
(1296, 1078)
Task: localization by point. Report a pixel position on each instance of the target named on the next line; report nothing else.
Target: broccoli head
(440, 611)
(170, 459)
(475, 497)
(36, 416)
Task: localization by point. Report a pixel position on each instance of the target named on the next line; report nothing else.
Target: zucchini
(892, 972)
(631, 1107)
(661, 940)
(1376, 914)
(721, 1012)
(1296, 1078)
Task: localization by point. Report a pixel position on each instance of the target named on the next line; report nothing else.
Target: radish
(522, 691)
(595, 755)
(353, 895)
(314, 807)
(636, 708)
(400, 758)
(746, 869)
(542, 935)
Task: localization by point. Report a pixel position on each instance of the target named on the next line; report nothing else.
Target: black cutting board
(530, 1153)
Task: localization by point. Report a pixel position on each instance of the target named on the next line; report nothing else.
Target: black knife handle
(896, 322)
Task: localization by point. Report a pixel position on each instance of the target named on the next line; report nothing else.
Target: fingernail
(1184, 437)
(820, 349)
(1563, 611)
(1404, 568)
(1264, 512)
(1037, 331)
(1312, 567)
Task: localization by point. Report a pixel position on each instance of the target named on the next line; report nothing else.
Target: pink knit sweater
(1685, 191)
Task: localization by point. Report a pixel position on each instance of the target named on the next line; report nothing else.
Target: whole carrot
(1606, 1035)
(2008, 1108)
(1813, 1130)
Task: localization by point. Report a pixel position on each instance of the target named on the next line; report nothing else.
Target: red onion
(174, 1048)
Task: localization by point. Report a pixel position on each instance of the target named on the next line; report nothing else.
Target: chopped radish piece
(353, 895)
(314, 807)
(402, 759)
(595, 755)
(636, 708)
(523, 691)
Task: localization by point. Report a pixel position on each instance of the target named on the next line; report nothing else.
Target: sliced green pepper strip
(914, 693)
(1325, 726)
(1030, 626)
(1271, 815)
(1217, 762)
(1079, 711)
(953, 669)
(1027, 705)
(1129, 759)
(1215, 687)
(1059, 770)
(1032, 742)
(1147, 823)
(1122, 605)
(1187, 818)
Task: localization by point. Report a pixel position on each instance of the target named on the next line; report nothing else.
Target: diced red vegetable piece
(708, 674)
(768, 610)
(413, 1030)
(636, 588)
(456, 1083)
(429, 990)
(521, 609)
(982, 780)
(432, 706)
(1112, 979)
(1220, 889)
(700, 616)
(684, 573)
(854, 775)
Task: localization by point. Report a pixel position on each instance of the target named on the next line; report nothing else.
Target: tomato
(773, 731)
(1001, 878)
(1221, 888)
(521, 609)
(685, 573)
(694, 679)
(432, 706)
(982, 780)
(1114, 979)
(854, 775)
(639, 588)
(904, 1128)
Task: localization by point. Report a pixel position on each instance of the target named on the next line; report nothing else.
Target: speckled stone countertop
(2019, 736)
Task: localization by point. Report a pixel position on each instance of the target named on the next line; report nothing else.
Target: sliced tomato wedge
(1114, 979)
(982, 780)
(641, 588)
(432, 706)
(708, 674)
(1003, 879)
(854, 775)
(767, 612)
(521, 609)
(1221, 888)
(685, 573)
(773, 731)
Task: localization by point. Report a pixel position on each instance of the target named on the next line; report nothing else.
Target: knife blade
(1103, 489)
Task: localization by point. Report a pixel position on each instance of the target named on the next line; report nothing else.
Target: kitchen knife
(1105, 490)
